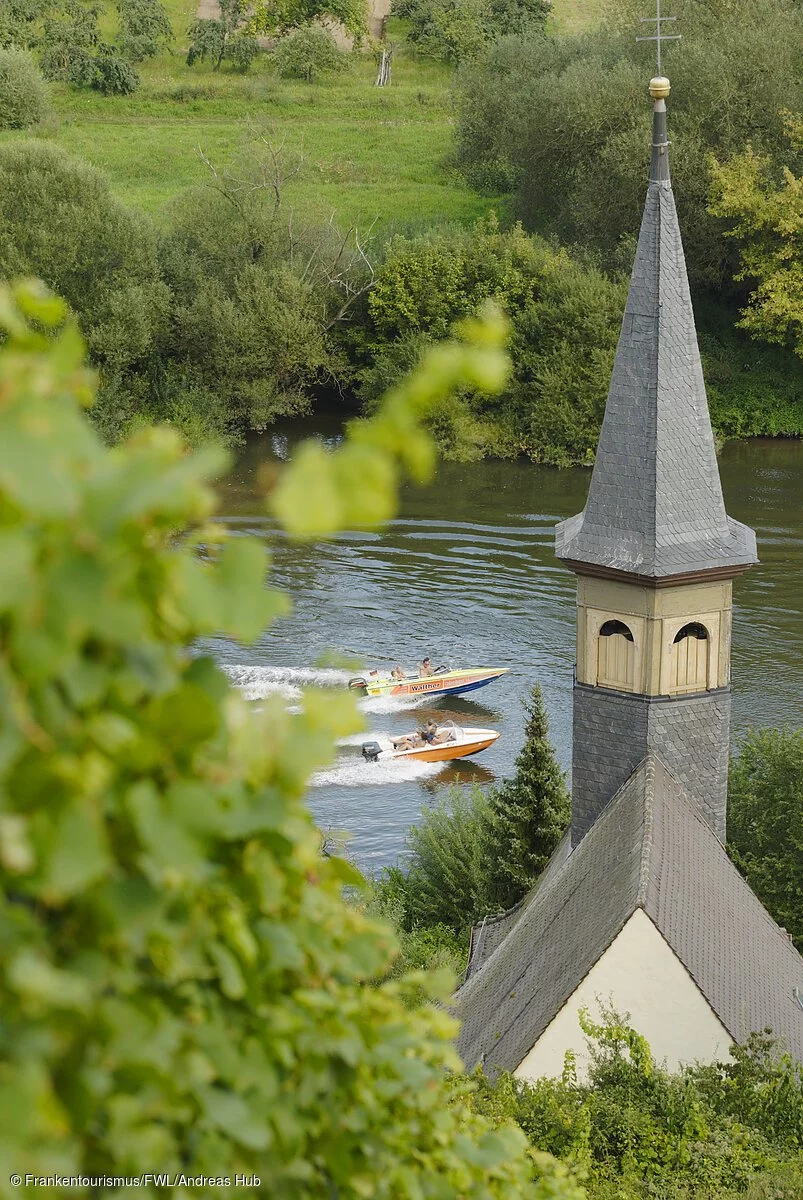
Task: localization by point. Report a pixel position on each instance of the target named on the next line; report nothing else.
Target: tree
(60, 221)
(278, 16)
(73, 51)
(476, 852)
(24, 99)
(224, 37)
(457, 30)
(565, 322)
(528, 813)
(766, 219)
(564, 122)
(307, 52)
(145, 28)
(181, 976)
(765, 821)
(19, 21)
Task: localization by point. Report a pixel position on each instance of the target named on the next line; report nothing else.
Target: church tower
(654, 550)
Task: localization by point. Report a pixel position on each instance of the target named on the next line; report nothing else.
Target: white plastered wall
(639, 974)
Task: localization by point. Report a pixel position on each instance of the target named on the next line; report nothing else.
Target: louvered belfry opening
(616, 656)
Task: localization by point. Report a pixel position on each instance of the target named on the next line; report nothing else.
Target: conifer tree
(528, 813)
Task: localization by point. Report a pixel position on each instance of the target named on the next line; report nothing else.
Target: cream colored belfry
(656, 641)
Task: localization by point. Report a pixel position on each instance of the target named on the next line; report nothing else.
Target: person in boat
(412, 741)
(398, 673)
(425, 670)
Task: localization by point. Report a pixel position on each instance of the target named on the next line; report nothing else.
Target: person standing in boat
(425, 670)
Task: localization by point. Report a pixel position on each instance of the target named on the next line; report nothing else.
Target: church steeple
(655, 504)
(654, 549)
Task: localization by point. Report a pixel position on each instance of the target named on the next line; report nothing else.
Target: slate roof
(649, 849)
(655, 505)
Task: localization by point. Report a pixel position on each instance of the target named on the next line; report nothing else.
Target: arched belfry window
(689, 658)
(616, 656)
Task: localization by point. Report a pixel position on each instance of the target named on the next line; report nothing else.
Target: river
(467, 574)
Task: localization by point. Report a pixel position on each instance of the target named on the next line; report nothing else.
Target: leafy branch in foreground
(181, 980)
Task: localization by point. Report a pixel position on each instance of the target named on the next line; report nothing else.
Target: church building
(640, 908)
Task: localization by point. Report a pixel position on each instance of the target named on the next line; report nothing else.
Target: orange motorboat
(437, 743)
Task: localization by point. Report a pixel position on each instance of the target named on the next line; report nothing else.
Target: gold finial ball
(659, 87)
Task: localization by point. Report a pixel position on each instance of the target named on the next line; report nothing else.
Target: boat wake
(355, 772)
(258, 682)
(392, 704)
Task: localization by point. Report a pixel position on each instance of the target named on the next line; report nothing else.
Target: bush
(765, 838)
(307, 52)
(567, 121)
(74, 52)
(457, 30)
(60, 221)
(19, 22)
(726, 1131)
(180, 975)
(565, 324)
(23, 92)
(114, 74)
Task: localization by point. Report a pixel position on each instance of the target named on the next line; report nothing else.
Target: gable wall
(639, 974)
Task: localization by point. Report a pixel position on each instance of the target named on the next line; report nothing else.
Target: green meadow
(369, 153)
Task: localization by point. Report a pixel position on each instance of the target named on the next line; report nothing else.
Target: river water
(467, 574)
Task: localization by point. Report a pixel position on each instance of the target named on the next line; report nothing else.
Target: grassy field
(370, 152)
(573, 16)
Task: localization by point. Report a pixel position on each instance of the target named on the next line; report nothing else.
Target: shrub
(60, 221)
(23, 91)
(727, 1131)
(74, 52)
(565, 323)
(307, 52)
(765, 839)
(19, 22)
(457, 30)
(567, 121)
(114, 74)
(180, 975)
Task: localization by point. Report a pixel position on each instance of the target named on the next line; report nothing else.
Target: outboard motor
(357, 683)
(371, 751)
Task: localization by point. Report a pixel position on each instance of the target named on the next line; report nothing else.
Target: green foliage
(637, 1131)
(477, 851)
(145, 28)
(24, 99)
(457, 30)
(74, 52)
(19, 21)
(308, 52)
(566, 122)
(766, 220)
(565, 322)
(114, 74)
(59, 221)
(528, 813)
(765, 821)
(224, 38)
(181, 980)
(279, 16)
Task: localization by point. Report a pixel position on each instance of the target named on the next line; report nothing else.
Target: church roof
(650, 850)
(655, 505)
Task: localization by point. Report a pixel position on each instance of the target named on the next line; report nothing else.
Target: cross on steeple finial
(659, 36)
